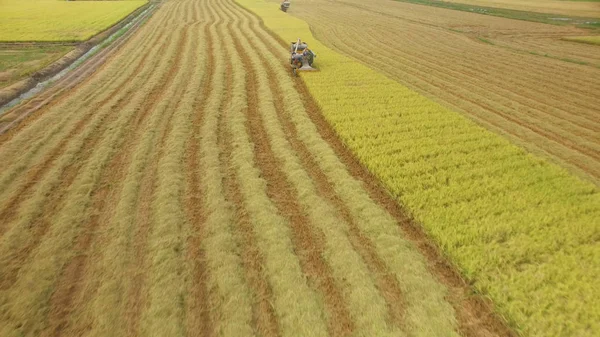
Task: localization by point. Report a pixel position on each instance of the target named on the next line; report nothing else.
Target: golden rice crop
(51, 20)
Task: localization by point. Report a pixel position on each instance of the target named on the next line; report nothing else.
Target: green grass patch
(485, 40)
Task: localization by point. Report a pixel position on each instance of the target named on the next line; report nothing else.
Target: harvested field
(190, 187)
(483, 66)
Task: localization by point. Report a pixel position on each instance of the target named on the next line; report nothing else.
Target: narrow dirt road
(191, 188)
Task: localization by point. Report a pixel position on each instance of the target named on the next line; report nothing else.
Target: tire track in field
(71, 282)
(309, 246)
(20, 252)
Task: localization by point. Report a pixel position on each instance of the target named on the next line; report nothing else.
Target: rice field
(523, 230)
(59, 20)
(190, 185)
(185, 189)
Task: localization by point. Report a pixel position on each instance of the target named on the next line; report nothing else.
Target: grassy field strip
(94, 64)
(366, 305)
(546, 11)
(298, 307)
(74, 292)
(165, 316)
(18, 62)
(70, 21)
(221, 247)
(226, 278)
(54, 247)
(574, 201)
(427, 304)
(53, 140)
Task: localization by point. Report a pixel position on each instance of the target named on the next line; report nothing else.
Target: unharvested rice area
(546, 104)
(60, 20)
(184, 189)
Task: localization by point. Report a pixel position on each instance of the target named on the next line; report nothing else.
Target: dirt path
(191, 187)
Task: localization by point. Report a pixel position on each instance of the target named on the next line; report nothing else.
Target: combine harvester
(285, 5)
(301, 58)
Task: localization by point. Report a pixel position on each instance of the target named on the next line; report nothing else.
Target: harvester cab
(301, 58)
(285, 5)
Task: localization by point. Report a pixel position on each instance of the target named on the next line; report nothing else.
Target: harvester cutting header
(301, 58)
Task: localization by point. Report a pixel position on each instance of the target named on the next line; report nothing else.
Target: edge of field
(15, 89)
(570, 197)
(515, 14)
